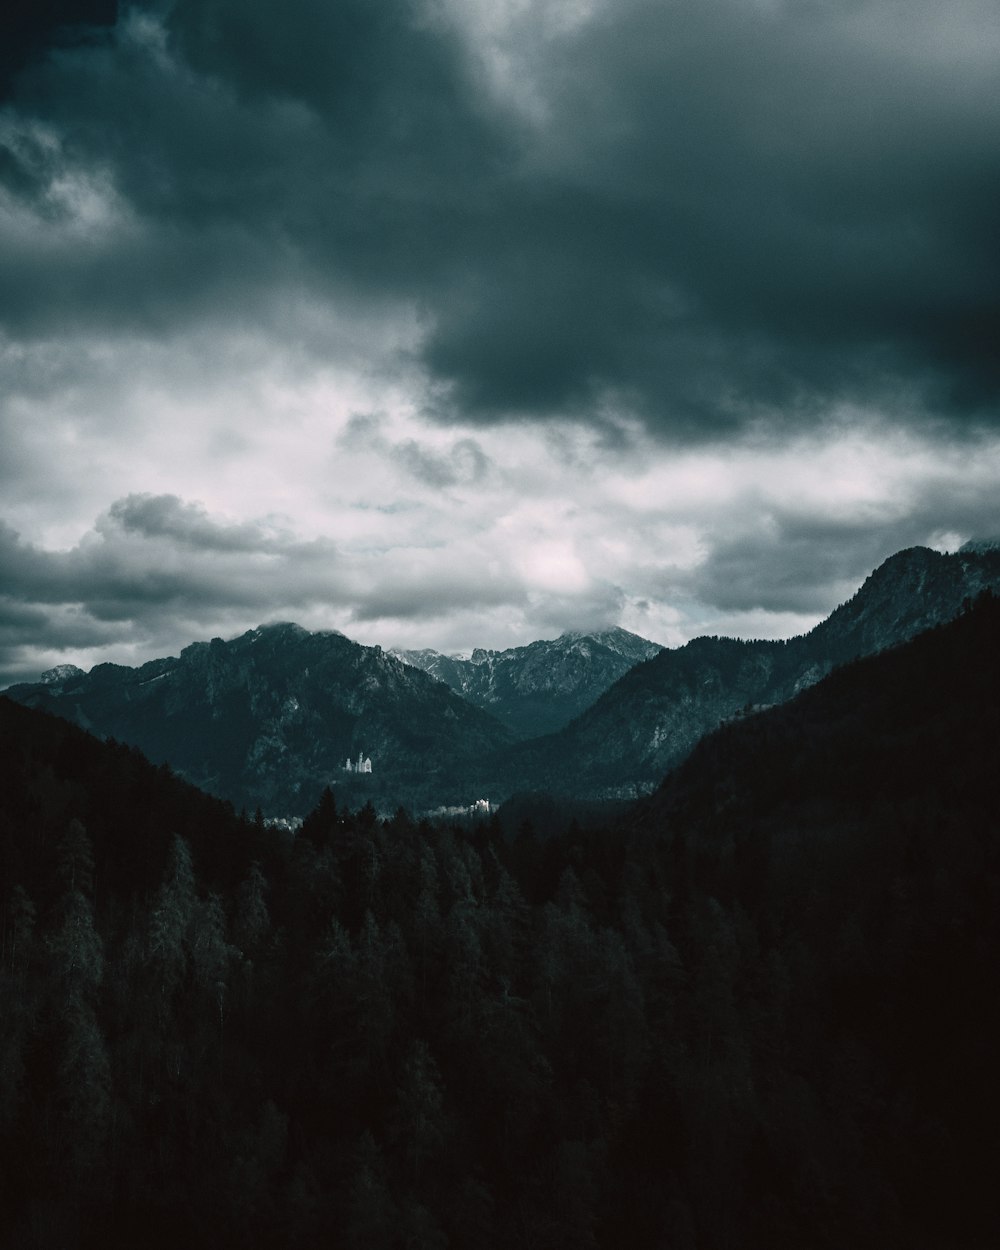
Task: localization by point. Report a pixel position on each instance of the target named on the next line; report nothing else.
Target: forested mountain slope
(271, 717)
(652, 717)
(759, 1012)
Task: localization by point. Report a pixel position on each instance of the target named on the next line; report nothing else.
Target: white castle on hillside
(362, 765)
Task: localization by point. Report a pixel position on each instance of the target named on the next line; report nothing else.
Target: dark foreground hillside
(761, 1013)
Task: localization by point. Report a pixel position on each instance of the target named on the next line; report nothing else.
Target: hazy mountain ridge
(271, 717)
(885, 728)
(538, 688)
(653, 716)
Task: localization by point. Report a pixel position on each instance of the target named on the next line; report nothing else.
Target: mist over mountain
(539, 688)
(272, 717)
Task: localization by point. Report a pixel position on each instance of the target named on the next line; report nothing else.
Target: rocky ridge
(652, 717)
(539, 688)
(270, 718)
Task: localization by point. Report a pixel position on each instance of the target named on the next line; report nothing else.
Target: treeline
(760, 1011)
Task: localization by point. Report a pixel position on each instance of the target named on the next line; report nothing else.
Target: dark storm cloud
(714, 215)
(153, 566)
(23, 627)
(28, 28)
(789, 563)
(150, 552)
(257, 147)
(185, 524)
(743, 213)
(157, 566)
(788, 560)
(16, 619)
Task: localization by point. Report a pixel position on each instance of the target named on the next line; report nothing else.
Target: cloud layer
(485, 541)
(709, 214)
(488, 319)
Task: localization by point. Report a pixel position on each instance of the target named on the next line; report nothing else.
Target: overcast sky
(464, 322)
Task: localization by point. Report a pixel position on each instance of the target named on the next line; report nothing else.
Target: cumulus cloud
(135, 580)
(186, 525)
(741, 543)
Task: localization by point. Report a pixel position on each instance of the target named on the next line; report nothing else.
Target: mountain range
(652, 717)
(540, 688)
(756, 1009)
(270, 718)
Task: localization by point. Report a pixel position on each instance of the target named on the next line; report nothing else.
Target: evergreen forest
(757, 1009)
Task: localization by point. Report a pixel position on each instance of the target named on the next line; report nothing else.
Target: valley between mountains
(754, 1008)
(269, 719)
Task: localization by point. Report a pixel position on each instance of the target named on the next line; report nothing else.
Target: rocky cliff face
(541, 687)
(271, 717)
(653, 716)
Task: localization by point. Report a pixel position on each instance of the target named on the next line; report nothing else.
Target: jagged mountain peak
(652, 716)
(538, 688)
(270, 717)
(61, 673)
(272, 712)
(611, 636)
